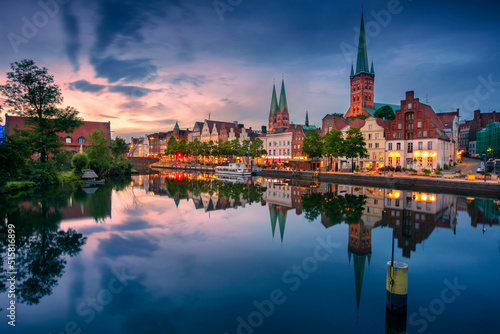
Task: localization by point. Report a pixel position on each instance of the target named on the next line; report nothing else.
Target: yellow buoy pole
(397, 286)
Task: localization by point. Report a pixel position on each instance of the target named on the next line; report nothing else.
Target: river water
(188, 253)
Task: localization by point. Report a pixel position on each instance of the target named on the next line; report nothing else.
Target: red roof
(357, 122)
(429, 112)
(385, 124)
(83, 131)
(447, 119)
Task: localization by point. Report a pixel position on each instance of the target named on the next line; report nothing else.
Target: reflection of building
(483, 212)
(414, 216)
(281, 198)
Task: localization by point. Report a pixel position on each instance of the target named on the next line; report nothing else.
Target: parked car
(490, 165)
(480, 169)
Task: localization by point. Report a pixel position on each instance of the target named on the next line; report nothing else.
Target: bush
(427, 171)
(469, 172)
(446, 166)
(80, 161)
(357, 169)
(438, 167)
(62, 160)
(437, 172)
(120, 167)
(16, 185)
(412, 170)
(43, 173)
(488, 174)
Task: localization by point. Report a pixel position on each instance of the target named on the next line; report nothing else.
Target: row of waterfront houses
(417, 138)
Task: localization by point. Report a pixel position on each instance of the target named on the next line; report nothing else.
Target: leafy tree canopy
(119, 147)
(30, 92)
(385, 111)
(313, 145)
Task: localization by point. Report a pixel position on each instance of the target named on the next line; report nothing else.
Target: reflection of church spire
(360, 248)
(282, 222)
(272, 213)
(359, 270)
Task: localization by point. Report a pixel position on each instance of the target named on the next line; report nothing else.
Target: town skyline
(145, 66)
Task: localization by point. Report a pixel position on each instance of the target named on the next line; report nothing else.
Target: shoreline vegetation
(34, 156)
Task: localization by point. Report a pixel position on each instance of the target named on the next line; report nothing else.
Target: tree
(80, 161)
(360, 116)
(355, 145)
(13, 154)
(334, 144)
(119, 147)
(385, 111)
(98, 152)
(313, 145)
(171, 146)
(31, 93)
(337, 114)
(256, 148)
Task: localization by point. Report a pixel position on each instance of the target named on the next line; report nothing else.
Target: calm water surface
(179, 253)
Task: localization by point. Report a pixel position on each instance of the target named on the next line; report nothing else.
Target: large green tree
(313, 145)
(30, 92)
(385, 111)
(355, 145)
(98, 152)
(171, 146)
(334, 144)
(119, 147)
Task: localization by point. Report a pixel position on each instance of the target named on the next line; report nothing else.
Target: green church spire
(176, 127)
(274, 102)
(283, 104)
(362, 63)
(352, 69)
(372, 71)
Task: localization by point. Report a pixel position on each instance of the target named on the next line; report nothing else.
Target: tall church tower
(283, 117)
(273, 112)
(362, 81)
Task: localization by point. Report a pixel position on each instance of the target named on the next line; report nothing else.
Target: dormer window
(67, 140)
(81, 140)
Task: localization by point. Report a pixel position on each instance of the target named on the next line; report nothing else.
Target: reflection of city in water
(412, 215)
(216, 245)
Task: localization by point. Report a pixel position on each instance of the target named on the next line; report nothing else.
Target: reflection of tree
(181, 185)
(40, 245)
(336, 208)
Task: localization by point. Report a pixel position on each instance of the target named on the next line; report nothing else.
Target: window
(81, 140)
(417, 226)
(425, 134)
(429, 162)
(419, 134)
(398, 161)
(376, 145)
(400, 126)
(399, 135)
(67, 140)
(376, 136)
(397, 204)
(419, 160)
(370, 127)
(390, 146)
(388, 201)
(374, 156)
(420, 145)
(409, 105)
(422, 216)
(394, 135)
(429, 145)
(370, 135)
(419, 125)
(370, 145)
(398, 146)
(381, 156)
(410, 146)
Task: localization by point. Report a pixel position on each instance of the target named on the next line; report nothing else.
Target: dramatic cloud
(128, 70)
(85, 86)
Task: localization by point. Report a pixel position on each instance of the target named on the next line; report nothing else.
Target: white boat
(235, 168)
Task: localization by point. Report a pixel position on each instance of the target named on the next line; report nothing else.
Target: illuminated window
(67, 140)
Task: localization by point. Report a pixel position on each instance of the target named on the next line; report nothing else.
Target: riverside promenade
(400, 181)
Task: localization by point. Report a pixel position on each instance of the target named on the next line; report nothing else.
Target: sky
(143, 65)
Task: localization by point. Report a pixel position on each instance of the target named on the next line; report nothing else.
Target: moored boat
(235, 168)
